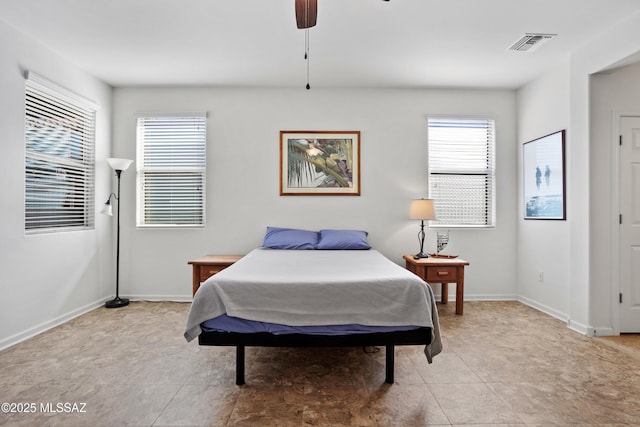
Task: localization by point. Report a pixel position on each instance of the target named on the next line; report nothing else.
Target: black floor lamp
(118, 165)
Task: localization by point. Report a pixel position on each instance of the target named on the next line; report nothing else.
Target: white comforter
(314, 287)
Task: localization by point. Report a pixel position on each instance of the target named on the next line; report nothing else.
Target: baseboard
(157, 298)
(575, 326)
(479, 297)
(491, 297)
(452, 297)
(45, 326)
(590, 331)
(545, 309)
(604, 331)
(580, 328)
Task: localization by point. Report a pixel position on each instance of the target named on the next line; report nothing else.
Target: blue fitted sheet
(225, 323)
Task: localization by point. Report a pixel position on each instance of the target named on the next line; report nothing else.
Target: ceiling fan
(306, 13)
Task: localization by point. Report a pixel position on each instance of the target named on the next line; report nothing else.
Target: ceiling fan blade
(306, 13)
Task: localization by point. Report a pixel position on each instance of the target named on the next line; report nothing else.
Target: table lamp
(423, 210)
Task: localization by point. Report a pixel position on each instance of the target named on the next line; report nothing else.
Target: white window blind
(59, 158)
(171, 162)
(462, 171)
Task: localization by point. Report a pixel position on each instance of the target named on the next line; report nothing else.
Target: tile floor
(503, 364)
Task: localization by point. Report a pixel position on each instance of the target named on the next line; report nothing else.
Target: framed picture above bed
(544, 177)
(319, 163)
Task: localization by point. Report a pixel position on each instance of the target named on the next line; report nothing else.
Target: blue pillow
(343, 239)
(290, 238)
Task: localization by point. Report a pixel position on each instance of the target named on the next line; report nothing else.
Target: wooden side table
(443, 271)
(208, 265)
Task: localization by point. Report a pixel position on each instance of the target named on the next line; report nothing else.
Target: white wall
(612, 94)
(581, 290)
(242, 181)
(591, 298)
(45, 279)
(543, 246)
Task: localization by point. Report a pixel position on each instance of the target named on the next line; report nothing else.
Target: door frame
(615, 215)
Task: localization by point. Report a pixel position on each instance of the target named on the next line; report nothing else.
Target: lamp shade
(422, 209)
(107, 209)
(119, 164)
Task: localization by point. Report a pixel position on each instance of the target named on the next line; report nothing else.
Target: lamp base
(420, 255)
(116, 302)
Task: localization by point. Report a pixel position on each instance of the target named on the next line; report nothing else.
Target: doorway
(629, 229)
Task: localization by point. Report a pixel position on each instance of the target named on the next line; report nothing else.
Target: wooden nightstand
(443, 271)
(208, 265)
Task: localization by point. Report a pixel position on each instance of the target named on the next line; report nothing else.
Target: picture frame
(543, 170)
(319, 163)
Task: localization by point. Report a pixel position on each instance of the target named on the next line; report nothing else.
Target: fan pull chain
(306, 54)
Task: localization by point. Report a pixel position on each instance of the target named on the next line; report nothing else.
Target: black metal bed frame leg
(389, 365)
(239, 365)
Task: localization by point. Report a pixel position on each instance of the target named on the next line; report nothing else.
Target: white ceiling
(356, 43)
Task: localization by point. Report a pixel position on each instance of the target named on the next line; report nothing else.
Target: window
(59, 134)
(462, 171)
(171, 163)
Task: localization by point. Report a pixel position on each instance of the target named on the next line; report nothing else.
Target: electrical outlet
(541, 276)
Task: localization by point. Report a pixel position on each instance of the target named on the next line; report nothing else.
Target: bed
(315, 291)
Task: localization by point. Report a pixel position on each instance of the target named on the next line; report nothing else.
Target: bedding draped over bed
(309, 288)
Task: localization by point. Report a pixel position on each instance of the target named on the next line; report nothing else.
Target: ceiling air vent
(530, 41)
